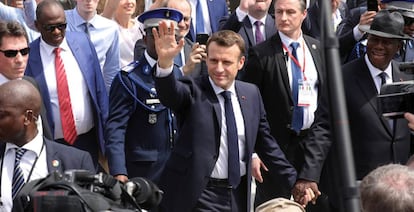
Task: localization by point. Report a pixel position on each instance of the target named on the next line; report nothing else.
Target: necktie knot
(226, 95)
(57, 51)
(257, 23)
(383, 77)
(19, 154)
(294, 45)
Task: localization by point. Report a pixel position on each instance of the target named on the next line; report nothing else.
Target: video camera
(397, 98)
(80, 190)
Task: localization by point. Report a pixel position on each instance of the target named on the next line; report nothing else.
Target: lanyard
(302, 68)
(31, 169)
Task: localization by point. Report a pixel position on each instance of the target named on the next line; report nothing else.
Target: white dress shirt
(79, 93)
(375, 72)
(35, 149)
(304, 57)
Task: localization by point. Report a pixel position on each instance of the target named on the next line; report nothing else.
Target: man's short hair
(227, 38)
(13, 29)
(388, 188)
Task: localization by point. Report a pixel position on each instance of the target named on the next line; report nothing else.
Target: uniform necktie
(232, 141)
(199, 18)
(18, 178)
(258, 33)
(297, 119)
(65, 105)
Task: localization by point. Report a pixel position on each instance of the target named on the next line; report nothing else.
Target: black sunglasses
(13, 53)
(52, 27)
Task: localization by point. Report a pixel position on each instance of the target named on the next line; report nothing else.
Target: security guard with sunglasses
(140, 130)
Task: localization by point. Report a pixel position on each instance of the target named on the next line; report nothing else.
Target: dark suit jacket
(193, 158)
(374, 143)
(372, 139)
(85, 54)
(245, 28)
(60, 157)
(267, 69)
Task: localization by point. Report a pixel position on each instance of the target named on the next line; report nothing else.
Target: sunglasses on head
(52, 27)
(13, 53)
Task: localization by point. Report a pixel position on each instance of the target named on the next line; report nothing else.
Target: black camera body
(397, 98)
(80, 190)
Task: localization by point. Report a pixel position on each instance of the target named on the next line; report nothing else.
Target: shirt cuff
(357, 33)
(163, 72)
(240, 14)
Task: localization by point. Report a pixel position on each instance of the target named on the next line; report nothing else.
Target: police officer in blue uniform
(140, 131)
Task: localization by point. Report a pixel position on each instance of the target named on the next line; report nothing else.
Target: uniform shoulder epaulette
(131, 66)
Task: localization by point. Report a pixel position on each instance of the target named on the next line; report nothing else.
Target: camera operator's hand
(122, 178)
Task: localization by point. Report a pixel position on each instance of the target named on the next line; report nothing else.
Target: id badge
(304, 94)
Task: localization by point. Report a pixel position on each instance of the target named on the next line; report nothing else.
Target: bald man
(19, 112)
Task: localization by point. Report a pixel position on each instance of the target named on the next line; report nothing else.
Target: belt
(219, 183)
(301, 133)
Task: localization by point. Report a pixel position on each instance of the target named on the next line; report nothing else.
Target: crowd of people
(137, 92)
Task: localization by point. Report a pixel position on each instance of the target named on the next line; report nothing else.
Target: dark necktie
(65, 105)
(383, 77)
(297, 119)
(199, 18)
(18, 178)
(232, 141)
(87, 25)
(258, 33)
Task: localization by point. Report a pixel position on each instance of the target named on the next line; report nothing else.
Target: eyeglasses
(52, 27)
(13, 53)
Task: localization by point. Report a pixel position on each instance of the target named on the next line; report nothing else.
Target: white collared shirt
(206, 15)
(310, 73)
(220, 170)
(79, 93)
(375, 72)
(40, 170)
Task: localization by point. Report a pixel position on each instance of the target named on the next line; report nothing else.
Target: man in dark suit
(246, 22)
(271, 67)
(210, 166)
(20, 104)
(140, 132)
(15, 54)
(87, 110)
(375, 140)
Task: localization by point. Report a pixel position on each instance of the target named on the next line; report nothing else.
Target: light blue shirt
(8, 13)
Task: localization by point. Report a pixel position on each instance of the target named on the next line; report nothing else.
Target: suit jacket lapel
(211, 95)
(245, 109)
(270, 28)
(280, 59)
(317, 60)
(367, 85)
(54, 163)
(248, 29)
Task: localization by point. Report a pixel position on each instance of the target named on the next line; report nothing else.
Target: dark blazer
(193, 158)
(139, 134)
(216, 9)
(267, 69)
(85, 54)
(60, 157)
(373, 141)
(245, 28)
